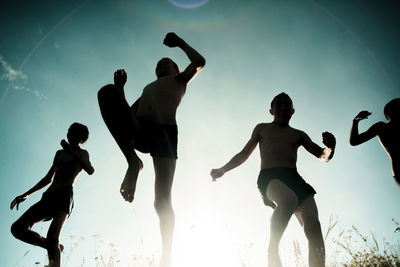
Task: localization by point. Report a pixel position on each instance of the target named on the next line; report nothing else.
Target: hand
(120, 78)
(362, 115)
(17, 200)
(172, 40)
(328, 140)
(216, 173)
(65, 145)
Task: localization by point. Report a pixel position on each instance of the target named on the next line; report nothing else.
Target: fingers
(119, 72)
(328, 139)
(12, 204)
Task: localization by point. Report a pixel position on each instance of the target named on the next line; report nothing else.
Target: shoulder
(300, 134)
(59, 152)
(261, 126)
(379, 125)
(83, 152)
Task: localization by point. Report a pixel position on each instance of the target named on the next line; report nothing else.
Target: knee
(17, 229)
(162, 205)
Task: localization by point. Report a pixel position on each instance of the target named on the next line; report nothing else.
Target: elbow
(90, 171)
(354, 142)
(201, 62)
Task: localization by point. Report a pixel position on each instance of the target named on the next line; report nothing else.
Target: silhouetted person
(281, 187)
(149, 125)
(57, 201)
(388, 134)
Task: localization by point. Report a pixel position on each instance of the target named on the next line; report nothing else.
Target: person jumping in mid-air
(281, 187)
(56, 202)
(388, 134)
(149, 125)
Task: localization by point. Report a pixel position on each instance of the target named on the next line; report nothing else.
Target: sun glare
(205, 243)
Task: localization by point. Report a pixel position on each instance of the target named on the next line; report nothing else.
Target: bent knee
(17, 229)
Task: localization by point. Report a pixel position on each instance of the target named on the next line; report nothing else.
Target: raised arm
(240, 157)
(197, 61)
(324, 154)
(355, 137)
(82, 158)
(42, 183)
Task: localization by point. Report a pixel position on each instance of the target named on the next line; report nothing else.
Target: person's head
(282, 108)
(392, 110)
(165, 67)
(77, 134)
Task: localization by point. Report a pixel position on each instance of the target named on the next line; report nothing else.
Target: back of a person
(278, 146)
(389, 137)
(160, 100)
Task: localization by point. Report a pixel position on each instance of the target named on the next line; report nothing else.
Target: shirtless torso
(160, 100)
(67, 168)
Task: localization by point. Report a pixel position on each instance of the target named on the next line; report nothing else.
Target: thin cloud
(10, 74)
(16, 78)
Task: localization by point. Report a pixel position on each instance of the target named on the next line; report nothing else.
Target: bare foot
(128, 185)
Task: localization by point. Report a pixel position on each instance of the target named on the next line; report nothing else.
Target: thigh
(281, 194)
(164, 168)
(117, 114)
(307, 211)
(34, 214)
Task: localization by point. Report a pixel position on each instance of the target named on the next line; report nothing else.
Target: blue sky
(334, 58)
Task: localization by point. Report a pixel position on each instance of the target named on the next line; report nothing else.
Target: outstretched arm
(324, 154)
(82, 159)
(197, 61)
(239, 158)
(42, 183)
(355, 137)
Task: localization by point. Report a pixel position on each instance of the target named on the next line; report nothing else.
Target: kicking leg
(123, 126)
(164, 168)
(286, 202)
(307, 214)
(53, 247)
(21, 229)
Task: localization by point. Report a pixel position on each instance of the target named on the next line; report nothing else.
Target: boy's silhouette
(149, 125)
(388, 134)
(57, 201)
(281, 186)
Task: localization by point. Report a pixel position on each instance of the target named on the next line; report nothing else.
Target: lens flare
(188, 4)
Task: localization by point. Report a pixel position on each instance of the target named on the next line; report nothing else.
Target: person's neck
(281, 123)
(74, 146)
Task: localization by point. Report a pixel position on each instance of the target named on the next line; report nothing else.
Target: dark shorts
(57, 200)
(288, 176)
(160, 140)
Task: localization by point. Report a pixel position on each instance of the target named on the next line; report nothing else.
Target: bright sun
(203, 244)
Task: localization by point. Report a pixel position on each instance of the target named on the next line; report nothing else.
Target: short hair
(281, 95)
(161, 61)
(392, 109)
(80, 131)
